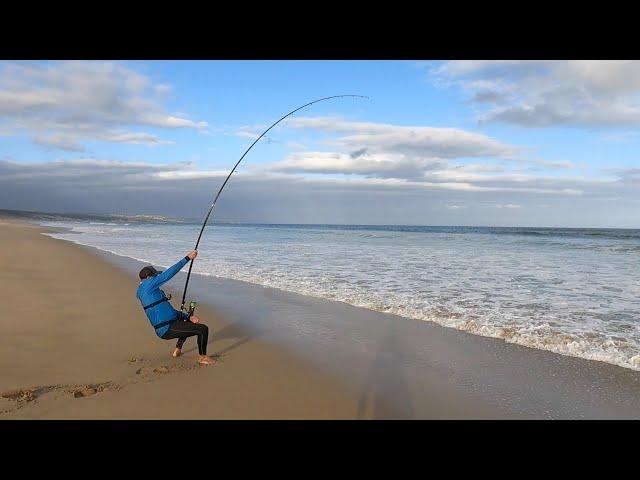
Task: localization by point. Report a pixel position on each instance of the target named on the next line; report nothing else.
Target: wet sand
(76, 344)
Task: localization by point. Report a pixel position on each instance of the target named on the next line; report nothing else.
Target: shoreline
(379, 365)
(501, 333)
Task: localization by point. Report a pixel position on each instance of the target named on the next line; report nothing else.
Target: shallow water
(571, 291)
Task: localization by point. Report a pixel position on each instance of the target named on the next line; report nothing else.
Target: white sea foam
(571, 295)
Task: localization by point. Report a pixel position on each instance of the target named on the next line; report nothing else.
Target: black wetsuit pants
(184, 329)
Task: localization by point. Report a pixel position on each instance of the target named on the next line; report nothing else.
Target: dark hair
(147, 272)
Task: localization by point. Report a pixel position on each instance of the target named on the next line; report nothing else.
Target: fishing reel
(192, 308)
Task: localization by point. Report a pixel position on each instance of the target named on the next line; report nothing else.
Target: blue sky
(472, 143)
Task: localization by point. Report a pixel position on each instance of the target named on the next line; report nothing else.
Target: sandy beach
(76, 344)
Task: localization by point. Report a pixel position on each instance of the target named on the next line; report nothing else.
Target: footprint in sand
(148, 370)
(163, 369)
(15, 399)
(79, 391)
(84, 392)
(26, 395)
(21, 397)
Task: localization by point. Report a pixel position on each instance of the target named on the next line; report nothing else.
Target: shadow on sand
(386, 394)
(229, 332)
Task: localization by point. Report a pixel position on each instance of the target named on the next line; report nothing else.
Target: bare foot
(176, 353)
(204, 360)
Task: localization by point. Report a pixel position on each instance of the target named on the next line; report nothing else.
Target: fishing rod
(206, 219)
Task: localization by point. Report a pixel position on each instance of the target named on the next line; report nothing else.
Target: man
(168, 322)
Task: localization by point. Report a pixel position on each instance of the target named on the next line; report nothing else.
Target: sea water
(570, 291)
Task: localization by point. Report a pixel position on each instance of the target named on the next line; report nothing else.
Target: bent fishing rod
(206, 219)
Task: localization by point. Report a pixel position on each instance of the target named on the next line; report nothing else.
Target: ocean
(571, 291)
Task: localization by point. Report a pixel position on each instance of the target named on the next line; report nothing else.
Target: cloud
(101, 186)
(139, 138)
(246, 134)
(69, 143)
(583, 93)
(83, 173)
(361, 163)
(172, 122)
(94, 185)
(251, 132)
(428, 173)
(61, 142)
(630, 176)
(417, 141)
(554, 164)
(438, 158)
(385, 150)
(78, 100)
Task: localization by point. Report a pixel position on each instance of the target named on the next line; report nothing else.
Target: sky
(497, 143)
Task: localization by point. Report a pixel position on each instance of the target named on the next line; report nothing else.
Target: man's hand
(192, 254)
(194, 319)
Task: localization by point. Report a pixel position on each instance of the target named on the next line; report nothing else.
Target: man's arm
(168, 274)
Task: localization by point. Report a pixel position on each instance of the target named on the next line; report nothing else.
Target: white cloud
(188, 175)
(545, 93)
(385, 165)
(430, 174)
(139, 138)
(418, 141)
(75, 100)
(69, 142)
(172, 122)
(421, 156)
(246, 134)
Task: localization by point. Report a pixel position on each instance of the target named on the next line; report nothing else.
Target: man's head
(147, 272)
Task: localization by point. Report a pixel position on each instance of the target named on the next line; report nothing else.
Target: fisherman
(168, 322)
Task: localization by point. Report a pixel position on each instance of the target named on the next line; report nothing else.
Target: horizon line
(231, 222)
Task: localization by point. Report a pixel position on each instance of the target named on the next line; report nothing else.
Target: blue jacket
(149, 292)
